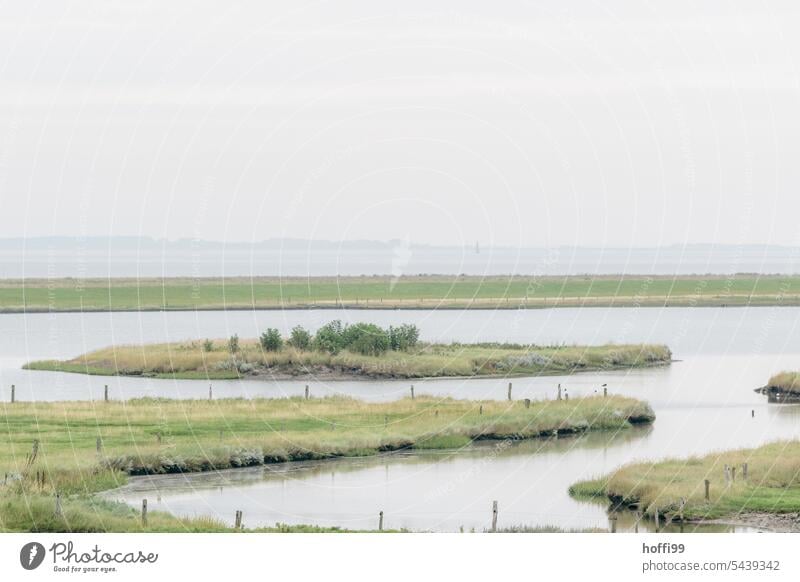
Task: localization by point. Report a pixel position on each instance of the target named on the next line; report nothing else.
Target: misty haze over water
(55, 257)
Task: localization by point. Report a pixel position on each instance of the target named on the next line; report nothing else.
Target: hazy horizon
(613, 124)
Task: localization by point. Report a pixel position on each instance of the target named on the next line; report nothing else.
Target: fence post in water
(306, 391)
(708, 484)
(612, 523)
(13, 393)
(605, 391)
(494, 516)
(412, 392)
(380, 521)
(238, 519)
(527, 403)
(144, 512)
(509, 390)
(559, 392)
(105, 393)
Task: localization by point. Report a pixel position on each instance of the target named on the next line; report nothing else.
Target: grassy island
(357, 350)
(385, 292)
(192, 361)
(77, 449)
(749, 485)
(782, 387)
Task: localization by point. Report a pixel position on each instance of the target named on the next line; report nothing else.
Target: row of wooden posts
(308, 393)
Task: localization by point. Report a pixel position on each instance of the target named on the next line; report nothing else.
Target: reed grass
(676, 486)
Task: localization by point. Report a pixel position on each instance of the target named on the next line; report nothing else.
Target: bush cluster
(364, 338)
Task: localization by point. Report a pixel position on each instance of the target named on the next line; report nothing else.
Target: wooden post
(105, 393)
(559, 392)
(605, 391)
(494, 516)
(436, 413)
(636, 523)
(744, 471)
(144, 512)
(99, 445)
(59, 511)
(752, 413)
(657, 518)
(680, 511)
(13, 393)
(238, 519)
(210, 392)
(527, 403)
(733, 474)
(566, 394)
(412, 392)
(727, 472)
(509, 390)
(380, 521)
(306, 391)
(612, 522)
(708, 484)
(480, 410)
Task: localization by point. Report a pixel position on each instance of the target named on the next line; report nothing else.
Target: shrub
(300, 338)
(208, 346)
(403, 337)
(330, 337)
(366, 338)
(233, 344)
(271, 340)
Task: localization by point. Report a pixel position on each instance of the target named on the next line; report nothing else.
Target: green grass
(589, 489)
(152, 436)
(772, 484)
(386, 292)
(191, 360)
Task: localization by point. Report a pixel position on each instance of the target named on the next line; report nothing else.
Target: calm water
(703, 402)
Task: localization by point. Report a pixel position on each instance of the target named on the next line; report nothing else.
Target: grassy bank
(196, 360)
(167, 436)
(676, 487)
(383, 292)
(784, 382)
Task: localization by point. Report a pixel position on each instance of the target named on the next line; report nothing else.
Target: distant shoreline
(381, 292)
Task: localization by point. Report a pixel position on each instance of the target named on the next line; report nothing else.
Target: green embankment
(675, 488)
(159, 436)
(385, 292)
(195, 360)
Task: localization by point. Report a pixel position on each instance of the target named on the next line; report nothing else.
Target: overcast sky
(624, 123)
